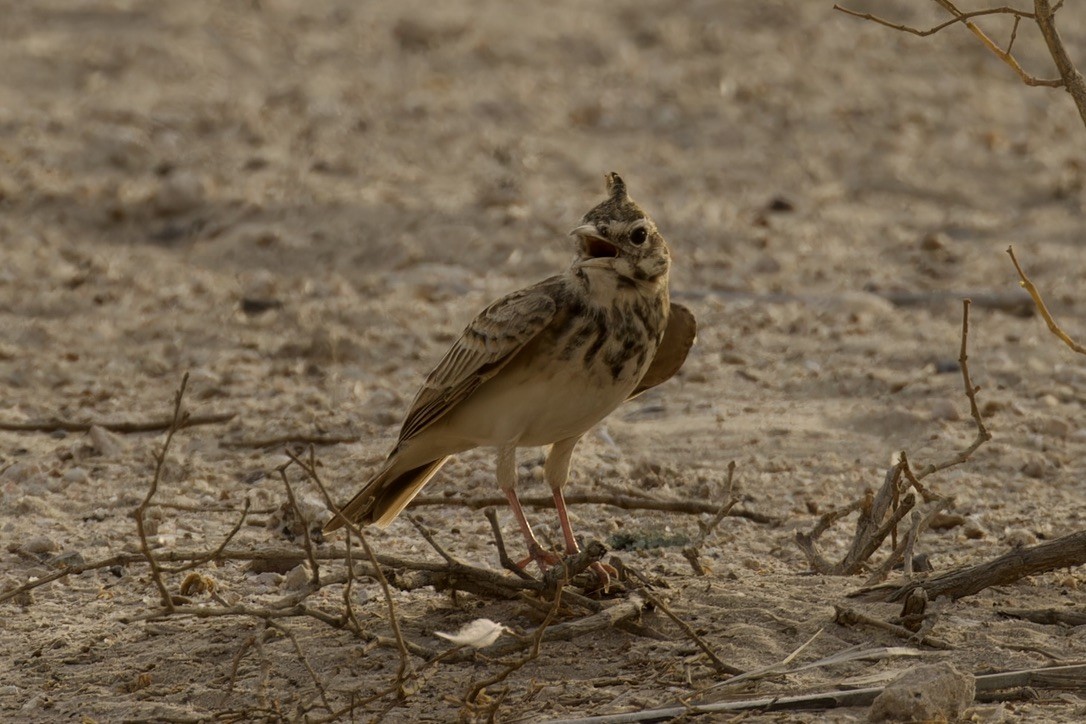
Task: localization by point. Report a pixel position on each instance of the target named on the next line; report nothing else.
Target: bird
(542, 366)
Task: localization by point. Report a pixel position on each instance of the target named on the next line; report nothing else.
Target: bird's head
(618, 235)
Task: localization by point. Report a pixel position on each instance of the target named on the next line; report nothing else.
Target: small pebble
(1054, 426)
(973, 529)
(267, 579)
(1019, 538)
(76, 476)
(69, 559)
(1035, 467)
(932, 692)
(39, 544)
(104, 442)
(178, 193)
(296, 577)
(945, 410)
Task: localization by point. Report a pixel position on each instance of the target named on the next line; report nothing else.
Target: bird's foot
(604, 574)
(544, 558)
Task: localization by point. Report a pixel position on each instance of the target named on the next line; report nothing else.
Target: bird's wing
(682, 330)
(486, 345)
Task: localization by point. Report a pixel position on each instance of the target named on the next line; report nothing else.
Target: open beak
(594, 245)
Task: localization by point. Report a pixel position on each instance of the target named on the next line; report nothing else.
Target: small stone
(297, 577)
(39, 544)
(76, 476)
(946, 521)
(1054, 426)
(945, 410)
(104, 442)
(933, 692)
(1019, 537)
(1035, 467)
(267, 579)
(68, 559)
(973, 529)
(20, 472)
(179, 192)
(935, 241)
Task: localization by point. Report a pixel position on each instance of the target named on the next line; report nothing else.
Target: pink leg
(536, 552)
(563, 517)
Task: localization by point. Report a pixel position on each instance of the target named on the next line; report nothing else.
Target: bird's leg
(507, 479)
(556, 471)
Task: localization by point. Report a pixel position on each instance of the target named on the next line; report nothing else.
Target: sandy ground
(382, 170)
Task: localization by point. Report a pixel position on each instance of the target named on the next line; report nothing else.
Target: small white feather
(478, 634)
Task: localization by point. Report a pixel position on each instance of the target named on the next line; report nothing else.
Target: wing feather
(682, 330)
(491, 339)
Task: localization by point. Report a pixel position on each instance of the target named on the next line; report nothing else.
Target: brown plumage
(542, 366)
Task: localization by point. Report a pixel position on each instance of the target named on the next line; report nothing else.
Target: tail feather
(386, 494)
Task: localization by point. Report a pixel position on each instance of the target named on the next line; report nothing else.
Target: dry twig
(176, 423)
(873, 525)
(1043, 15)
(625, 502)
(1065, 552)
(1035, 294)
(119, 427)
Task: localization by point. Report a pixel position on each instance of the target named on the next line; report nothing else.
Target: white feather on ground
(478, 634)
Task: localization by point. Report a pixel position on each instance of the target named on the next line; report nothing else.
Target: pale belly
(530, 405)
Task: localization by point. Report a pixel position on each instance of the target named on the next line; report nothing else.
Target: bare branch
(1042, 308)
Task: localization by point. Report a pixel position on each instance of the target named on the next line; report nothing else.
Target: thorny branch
(1043, 15)
(1042, 307)
(177, 421)
(873, 525)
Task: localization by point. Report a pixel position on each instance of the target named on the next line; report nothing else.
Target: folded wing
(682, 330)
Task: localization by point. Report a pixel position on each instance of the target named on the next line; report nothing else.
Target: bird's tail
(386, 494)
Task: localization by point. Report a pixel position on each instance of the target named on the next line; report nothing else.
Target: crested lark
(542, 365)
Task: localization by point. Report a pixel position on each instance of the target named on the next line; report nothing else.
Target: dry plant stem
(772, 669)
(693, 551)
(1047, 616)
(986, 41)
(310, 469)
(625, 502)
(176, 423)
(851, 617)
(118, 427)
(1065, 552)
(503, 555)
(983, 435)
(1035, 294)
(430, 539)
(537, 640)
(1072, 79)
(218, 551)
(434, 572)
(1065, 677)
(718, 664)
(305, 661)
(870, 530)
(292, 439)
(307, 542)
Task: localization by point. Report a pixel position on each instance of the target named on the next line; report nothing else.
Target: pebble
(39, 544)
(76, 476)
(178, 193)
(1035, 467)
(267, 579)
(945, 410)
(1019, 538)
(1054, 426)
(104, 442)
(296, 578)
(973, 529)
(933, 692)
(69, 559)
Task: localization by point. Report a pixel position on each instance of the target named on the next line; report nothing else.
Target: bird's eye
(638, 236)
